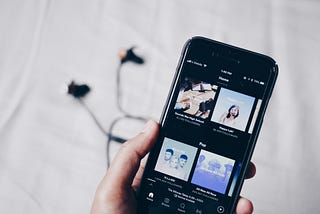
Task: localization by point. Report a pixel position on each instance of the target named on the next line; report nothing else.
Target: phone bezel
(232, 49)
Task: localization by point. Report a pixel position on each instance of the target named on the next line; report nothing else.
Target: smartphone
(209, 128)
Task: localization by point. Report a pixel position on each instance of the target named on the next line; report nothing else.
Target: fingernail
(147, 127)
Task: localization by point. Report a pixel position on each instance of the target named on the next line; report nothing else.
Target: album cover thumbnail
(195, 98)
(176, 159)
(233, 109)
(212, 171)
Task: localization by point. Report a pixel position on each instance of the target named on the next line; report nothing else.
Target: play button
(220, 209)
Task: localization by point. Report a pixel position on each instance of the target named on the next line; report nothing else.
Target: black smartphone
(209, 128)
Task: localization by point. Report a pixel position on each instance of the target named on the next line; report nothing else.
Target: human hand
(116, 191)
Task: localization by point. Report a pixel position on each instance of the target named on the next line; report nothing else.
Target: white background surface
(52, 155)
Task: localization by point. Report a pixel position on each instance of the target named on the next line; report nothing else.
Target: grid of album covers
(230, 108)
(211, 171)
(199, 99)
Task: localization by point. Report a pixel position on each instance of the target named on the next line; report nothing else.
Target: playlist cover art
(195, 98)
(212, 171)
(233, 109)
(175, 159)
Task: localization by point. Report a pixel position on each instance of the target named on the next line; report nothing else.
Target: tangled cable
(79, 91)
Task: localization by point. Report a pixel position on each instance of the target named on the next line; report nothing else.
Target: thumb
(127, 161)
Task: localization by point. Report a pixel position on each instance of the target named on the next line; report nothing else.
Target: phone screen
(208, 130)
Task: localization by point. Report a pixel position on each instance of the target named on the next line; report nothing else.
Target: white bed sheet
(52, 155)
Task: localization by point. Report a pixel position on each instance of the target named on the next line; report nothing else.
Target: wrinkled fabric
(52, 155)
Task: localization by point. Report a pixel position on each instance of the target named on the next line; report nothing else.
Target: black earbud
(129, 55)
(77, 90)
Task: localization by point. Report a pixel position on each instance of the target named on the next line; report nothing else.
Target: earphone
(129, 55)
(79, 91)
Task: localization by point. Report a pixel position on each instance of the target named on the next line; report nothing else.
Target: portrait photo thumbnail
(195, 98)
(212, 171)
(233, 109)
(176, 159)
